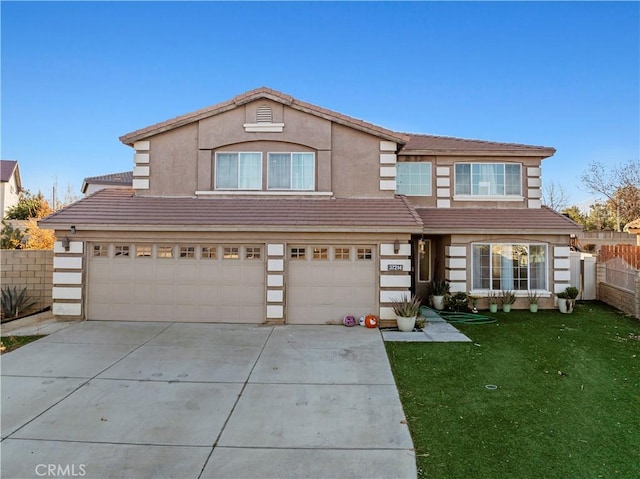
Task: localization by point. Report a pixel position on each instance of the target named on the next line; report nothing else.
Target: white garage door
(179, 282)
(325, 283)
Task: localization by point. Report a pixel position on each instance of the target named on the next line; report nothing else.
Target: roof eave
(229, 228)
(538, 153)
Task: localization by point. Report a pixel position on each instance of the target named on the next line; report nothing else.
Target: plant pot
(506, 308)
(562, 305)
(438, 302)
(570, 304)
(406, 324)
(493, 308)
(533, 308)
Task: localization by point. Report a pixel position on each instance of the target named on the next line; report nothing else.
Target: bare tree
(554, 196)
(611, 181)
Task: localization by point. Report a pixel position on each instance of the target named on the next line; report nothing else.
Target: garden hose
(457, 317)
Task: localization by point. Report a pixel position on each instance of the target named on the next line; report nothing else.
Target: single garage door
(325, 283)
(176, 282)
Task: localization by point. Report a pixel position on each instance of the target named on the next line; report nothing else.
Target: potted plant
(562, 301)
(508, 297)
(492, 298)
(533, 300)
(406, 310)
(572, 293)
(438, 289)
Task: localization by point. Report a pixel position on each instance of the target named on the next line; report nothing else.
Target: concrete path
(187, 400)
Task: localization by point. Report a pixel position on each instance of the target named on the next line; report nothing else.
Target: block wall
(32, 269)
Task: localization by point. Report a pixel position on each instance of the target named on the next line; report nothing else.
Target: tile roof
(7, 167)
(496, 220)
(124, 178)
(253, 95)
(118, 208)
(419, 142)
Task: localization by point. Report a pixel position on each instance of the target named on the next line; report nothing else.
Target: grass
(10, 343)
(567, 403)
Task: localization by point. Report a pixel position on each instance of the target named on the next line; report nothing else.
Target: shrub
(13, 302)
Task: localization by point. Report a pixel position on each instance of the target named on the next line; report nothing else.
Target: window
(488, 179)
(121, 250)
(502, 266)
(320, 253)
(291, 171)
(413, 179)
(100, 250)
(231, 252)
(165, 251)
(298, 253)
(187, 251)
(341, 253)
(365, 254)
(252, 252)
(143, 251)
(209, 252)
(239, 171)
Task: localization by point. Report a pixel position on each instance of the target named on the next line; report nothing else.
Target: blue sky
(77, 75)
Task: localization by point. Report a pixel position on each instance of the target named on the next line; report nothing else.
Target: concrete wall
(32, 269)
(624, 300)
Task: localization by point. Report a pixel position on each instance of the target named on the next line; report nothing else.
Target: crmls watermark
(61, 470)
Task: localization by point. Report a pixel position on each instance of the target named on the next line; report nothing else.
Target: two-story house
(265, 208)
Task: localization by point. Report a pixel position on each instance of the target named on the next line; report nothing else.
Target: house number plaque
(395, 267)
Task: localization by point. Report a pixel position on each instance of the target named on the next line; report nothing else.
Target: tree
(29, 206)
(11, 237)
(619, 184)
(554, 196)
(39, 238)
(575, 214)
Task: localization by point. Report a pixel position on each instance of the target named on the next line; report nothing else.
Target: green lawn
(567, 403)
(9, 343)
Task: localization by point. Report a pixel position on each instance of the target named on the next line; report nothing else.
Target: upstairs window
(239, 171)
(291, 171)
(413, 179)
(488, 179)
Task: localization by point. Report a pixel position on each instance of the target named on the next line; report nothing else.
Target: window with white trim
(165, 252)
(413, 178)
(488, 179)
(187, 252)
(291, 171)
(100, 250)
(121, 250)
(238, 171)
(506, 266)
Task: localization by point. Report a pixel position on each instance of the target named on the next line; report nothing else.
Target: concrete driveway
(187, 400)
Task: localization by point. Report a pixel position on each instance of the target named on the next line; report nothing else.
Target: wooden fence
(629, 253)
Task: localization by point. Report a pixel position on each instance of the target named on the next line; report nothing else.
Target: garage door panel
(324, 291)
(177, 289)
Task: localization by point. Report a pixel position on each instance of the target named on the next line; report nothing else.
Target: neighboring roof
(431, 144)
(257, 94)
(115, 179)
(7, 169)
(500, 220)
(118, 208)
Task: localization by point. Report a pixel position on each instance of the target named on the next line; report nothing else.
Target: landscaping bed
(9, 343)
(533, 395)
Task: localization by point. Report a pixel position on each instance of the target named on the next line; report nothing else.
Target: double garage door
(226, 283)
(165, 282)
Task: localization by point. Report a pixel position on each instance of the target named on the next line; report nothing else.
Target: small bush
(458, 302)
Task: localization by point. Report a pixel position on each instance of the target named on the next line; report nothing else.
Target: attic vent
(264, 114)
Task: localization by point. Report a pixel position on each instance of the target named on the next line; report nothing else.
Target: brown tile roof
(7, 167)
(447, 144)
(496, 220)
(118, 208)
(124, 178)
(253, 95)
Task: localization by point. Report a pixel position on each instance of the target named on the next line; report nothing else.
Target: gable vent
(264, 114)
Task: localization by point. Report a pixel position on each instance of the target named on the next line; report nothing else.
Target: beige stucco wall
(448, 161)
(347, 160)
